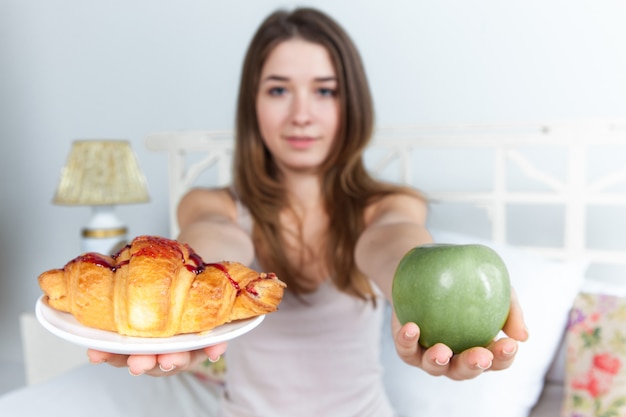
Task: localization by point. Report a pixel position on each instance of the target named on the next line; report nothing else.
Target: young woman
(303, 206)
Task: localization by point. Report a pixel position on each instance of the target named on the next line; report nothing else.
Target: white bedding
(104, 391)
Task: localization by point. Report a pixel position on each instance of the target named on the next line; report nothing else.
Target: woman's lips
(300, 142)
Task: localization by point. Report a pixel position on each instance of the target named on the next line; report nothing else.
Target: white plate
(65, 326)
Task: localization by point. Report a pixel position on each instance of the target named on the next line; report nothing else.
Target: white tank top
(317, 358)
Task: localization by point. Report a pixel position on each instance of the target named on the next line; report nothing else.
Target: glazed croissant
(157, 287)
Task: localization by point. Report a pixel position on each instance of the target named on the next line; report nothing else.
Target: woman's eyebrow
(275, 78)
(285, 78)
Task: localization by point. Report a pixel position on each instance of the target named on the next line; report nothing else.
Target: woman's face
(297, 105)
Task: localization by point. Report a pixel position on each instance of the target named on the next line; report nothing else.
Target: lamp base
(104, 241)
(105, 233)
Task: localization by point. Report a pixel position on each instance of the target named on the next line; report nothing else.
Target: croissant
(157, 287)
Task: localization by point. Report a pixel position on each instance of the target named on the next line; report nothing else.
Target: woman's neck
(304, 192)
(305, 228)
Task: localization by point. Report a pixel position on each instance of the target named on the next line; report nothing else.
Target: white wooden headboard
(556, 188)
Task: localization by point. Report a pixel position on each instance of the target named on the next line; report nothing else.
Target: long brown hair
(347, 187)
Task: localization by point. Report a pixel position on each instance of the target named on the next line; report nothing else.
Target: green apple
(458, 295)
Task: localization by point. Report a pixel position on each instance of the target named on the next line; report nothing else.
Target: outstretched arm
(395, 225)
(208, 223)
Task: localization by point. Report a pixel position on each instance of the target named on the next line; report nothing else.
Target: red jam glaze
(250, 288)
(94, 258)
(199, 264)
(222, 268)
(158, 247)
(119, 252)
(162, 247)
(120, 264)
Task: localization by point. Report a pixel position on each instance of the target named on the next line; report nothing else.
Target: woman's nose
(301, 109)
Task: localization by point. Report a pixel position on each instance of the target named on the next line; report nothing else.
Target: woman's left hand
(439, 359)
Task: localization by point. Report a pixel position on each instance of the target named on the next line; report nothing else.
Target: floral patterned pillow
(596, 357)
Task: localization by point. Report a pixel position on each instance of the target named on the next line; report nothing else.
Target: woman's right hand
(158, 365)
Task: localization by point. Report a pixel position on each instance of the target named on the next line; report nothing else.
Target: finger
(504, 351)
(406, 344)
(182, 361)
(140, 364)
(437, 359)
(169, 362)
(515, 326)
(96, 356)
(470, 363)
(113, 359)
(216, 351)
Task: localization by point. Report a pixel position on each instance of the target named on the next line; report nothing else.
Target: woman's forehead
(298, 58)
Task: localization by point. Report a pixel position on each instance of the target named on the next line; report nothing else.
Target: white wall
(73, 69)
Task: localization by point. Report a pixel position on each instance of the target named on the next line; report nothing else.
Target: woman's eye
(277, 91)
(327, 92)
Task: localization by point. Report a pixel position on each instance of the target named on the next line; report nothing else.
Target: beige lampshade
(101, 172)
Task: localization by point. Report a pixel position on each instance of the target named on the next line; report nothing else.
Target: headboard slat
(506, 154)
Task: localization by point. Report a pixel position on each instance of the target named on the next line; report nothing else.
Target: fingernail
(410, 334)
(444, 363)
(134, 374)
(98, 362)
(484, 367)
(509, 352)
(170, 369)
(214, 359)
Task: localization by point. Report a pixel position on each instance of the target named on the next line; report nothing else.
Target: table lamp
(102, 174)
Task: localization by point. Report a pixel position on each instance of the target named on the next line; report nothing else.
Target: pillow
(546, 291)
(211, 373)
(595, 383)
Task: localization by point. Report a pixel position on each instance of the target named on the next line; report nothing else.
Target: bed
(549, 198)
